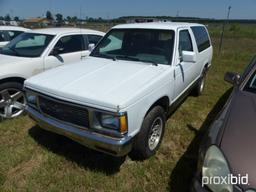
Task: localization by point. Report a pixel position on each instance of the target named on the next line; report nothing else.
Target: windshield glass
(143, 45)
(251, 84)
(27, 45)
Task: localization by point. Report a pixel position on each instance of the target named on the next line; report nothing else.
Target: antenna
(223, 29)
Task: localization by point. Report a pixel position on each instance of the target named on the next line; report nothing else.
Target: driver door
(68, 49)
(184, 71)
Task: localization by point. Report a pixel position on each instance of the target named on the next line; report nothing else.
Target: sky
(241, 9)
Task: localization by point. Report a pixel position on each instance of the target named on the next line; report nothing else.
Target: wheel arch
(12, 79)
(163, 102)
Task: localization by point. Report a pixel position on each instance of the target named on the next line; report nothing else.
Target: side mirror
(91, 46)
(232, 77)
(57, 51)
(188, 56)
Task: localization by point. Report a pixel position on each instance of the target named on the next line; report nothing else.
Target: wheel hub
(12, 103)
(156, 133)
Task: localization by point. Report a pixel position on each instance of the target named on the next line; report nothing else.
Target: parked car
(117, 99)
(227, 150)
(8, 33)
(34, 52)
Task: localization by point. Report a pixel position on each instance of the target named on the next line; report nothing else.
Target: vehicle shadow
(75, 152)
(182, 175)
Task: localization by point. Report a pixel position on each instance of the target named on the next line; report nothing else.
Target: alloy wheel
(12, 103)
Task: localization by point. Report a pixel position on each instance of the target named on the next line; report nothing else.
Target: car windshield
(142, 45)
(251, 84)
(27, 45)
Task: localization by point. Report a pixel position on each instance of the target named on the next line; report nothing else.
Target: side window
(185, 43)
(70, 43)
(202, 38)
(13, 34)
(94, 39)
(2, 37)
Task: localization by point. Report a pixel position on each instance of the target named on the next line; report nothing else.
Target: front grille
(64, 111)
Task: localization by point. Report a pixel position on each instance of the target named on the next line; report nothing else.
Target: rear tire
(199, 88)
(149, 138)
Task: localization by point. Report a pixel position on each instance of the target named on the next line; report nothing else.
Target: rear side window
(93, 39)
(202, 38)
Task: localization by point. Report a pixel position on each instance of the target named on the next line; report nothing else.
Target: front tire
(149, 138)
(12, 100)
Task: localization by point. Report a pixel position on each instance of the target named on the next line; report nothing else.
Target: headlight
(215, 166)
(111, 122)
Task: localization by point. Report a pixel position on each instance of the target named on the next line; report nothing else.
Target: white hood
(15, 66)
(6, 59)
(98, 82)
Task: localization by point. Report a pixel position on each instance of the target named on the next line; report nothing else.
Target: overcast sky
(241, 9)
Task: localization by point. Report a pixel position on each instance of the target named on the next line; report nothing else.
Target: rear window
(13, 34)
(202, 38)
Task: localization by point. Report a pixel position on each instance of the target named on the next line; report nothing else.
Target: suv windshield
(143, 45)
(27, 45)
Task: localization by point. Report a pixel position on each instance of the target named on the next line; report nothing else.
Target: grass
(32, 159)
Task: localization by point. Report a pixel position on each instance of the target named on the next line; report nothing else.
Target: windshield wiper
(135, 59)
(105, 56)
(149, 61)
(127, 58)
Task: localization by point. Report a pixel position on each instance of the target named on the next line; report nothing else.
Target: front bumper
(90, 139)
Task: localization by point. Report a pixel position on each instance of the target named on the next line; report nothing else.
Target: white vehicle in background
(34, 52)
(117, 100)
(8, 33)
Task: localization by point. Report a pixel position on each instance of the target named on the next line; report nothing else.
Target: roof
(156, 25)
(59, 31)
(13, 28)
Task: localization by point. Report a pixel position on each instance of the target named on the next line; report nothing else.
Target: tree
(49, 16)
(69, 19)
(7, 17)
(16, 18)
(59, 18)
(74, 19)
(1, 18)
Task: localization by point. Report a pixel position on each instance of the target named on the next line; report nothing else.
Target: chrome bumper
(90, 139)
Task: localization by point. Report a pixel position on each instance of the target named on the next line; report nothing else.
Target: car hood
(7, 59)
(238, 141)
(98, 82)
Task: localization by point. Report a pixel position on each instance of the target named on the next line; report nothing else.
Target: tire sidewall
(144, 134)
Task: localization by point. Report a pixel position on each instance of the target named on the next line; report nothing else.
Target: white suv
(36, 51)
(117, 100)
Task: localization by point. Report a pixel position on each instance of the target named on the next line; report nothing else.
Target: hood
(7, 59)
(98, 82)
(8, 65)
(238, 141)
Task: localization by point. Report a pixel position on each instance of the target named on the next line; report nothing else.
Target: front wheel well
(12, 79)
(163, 102)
